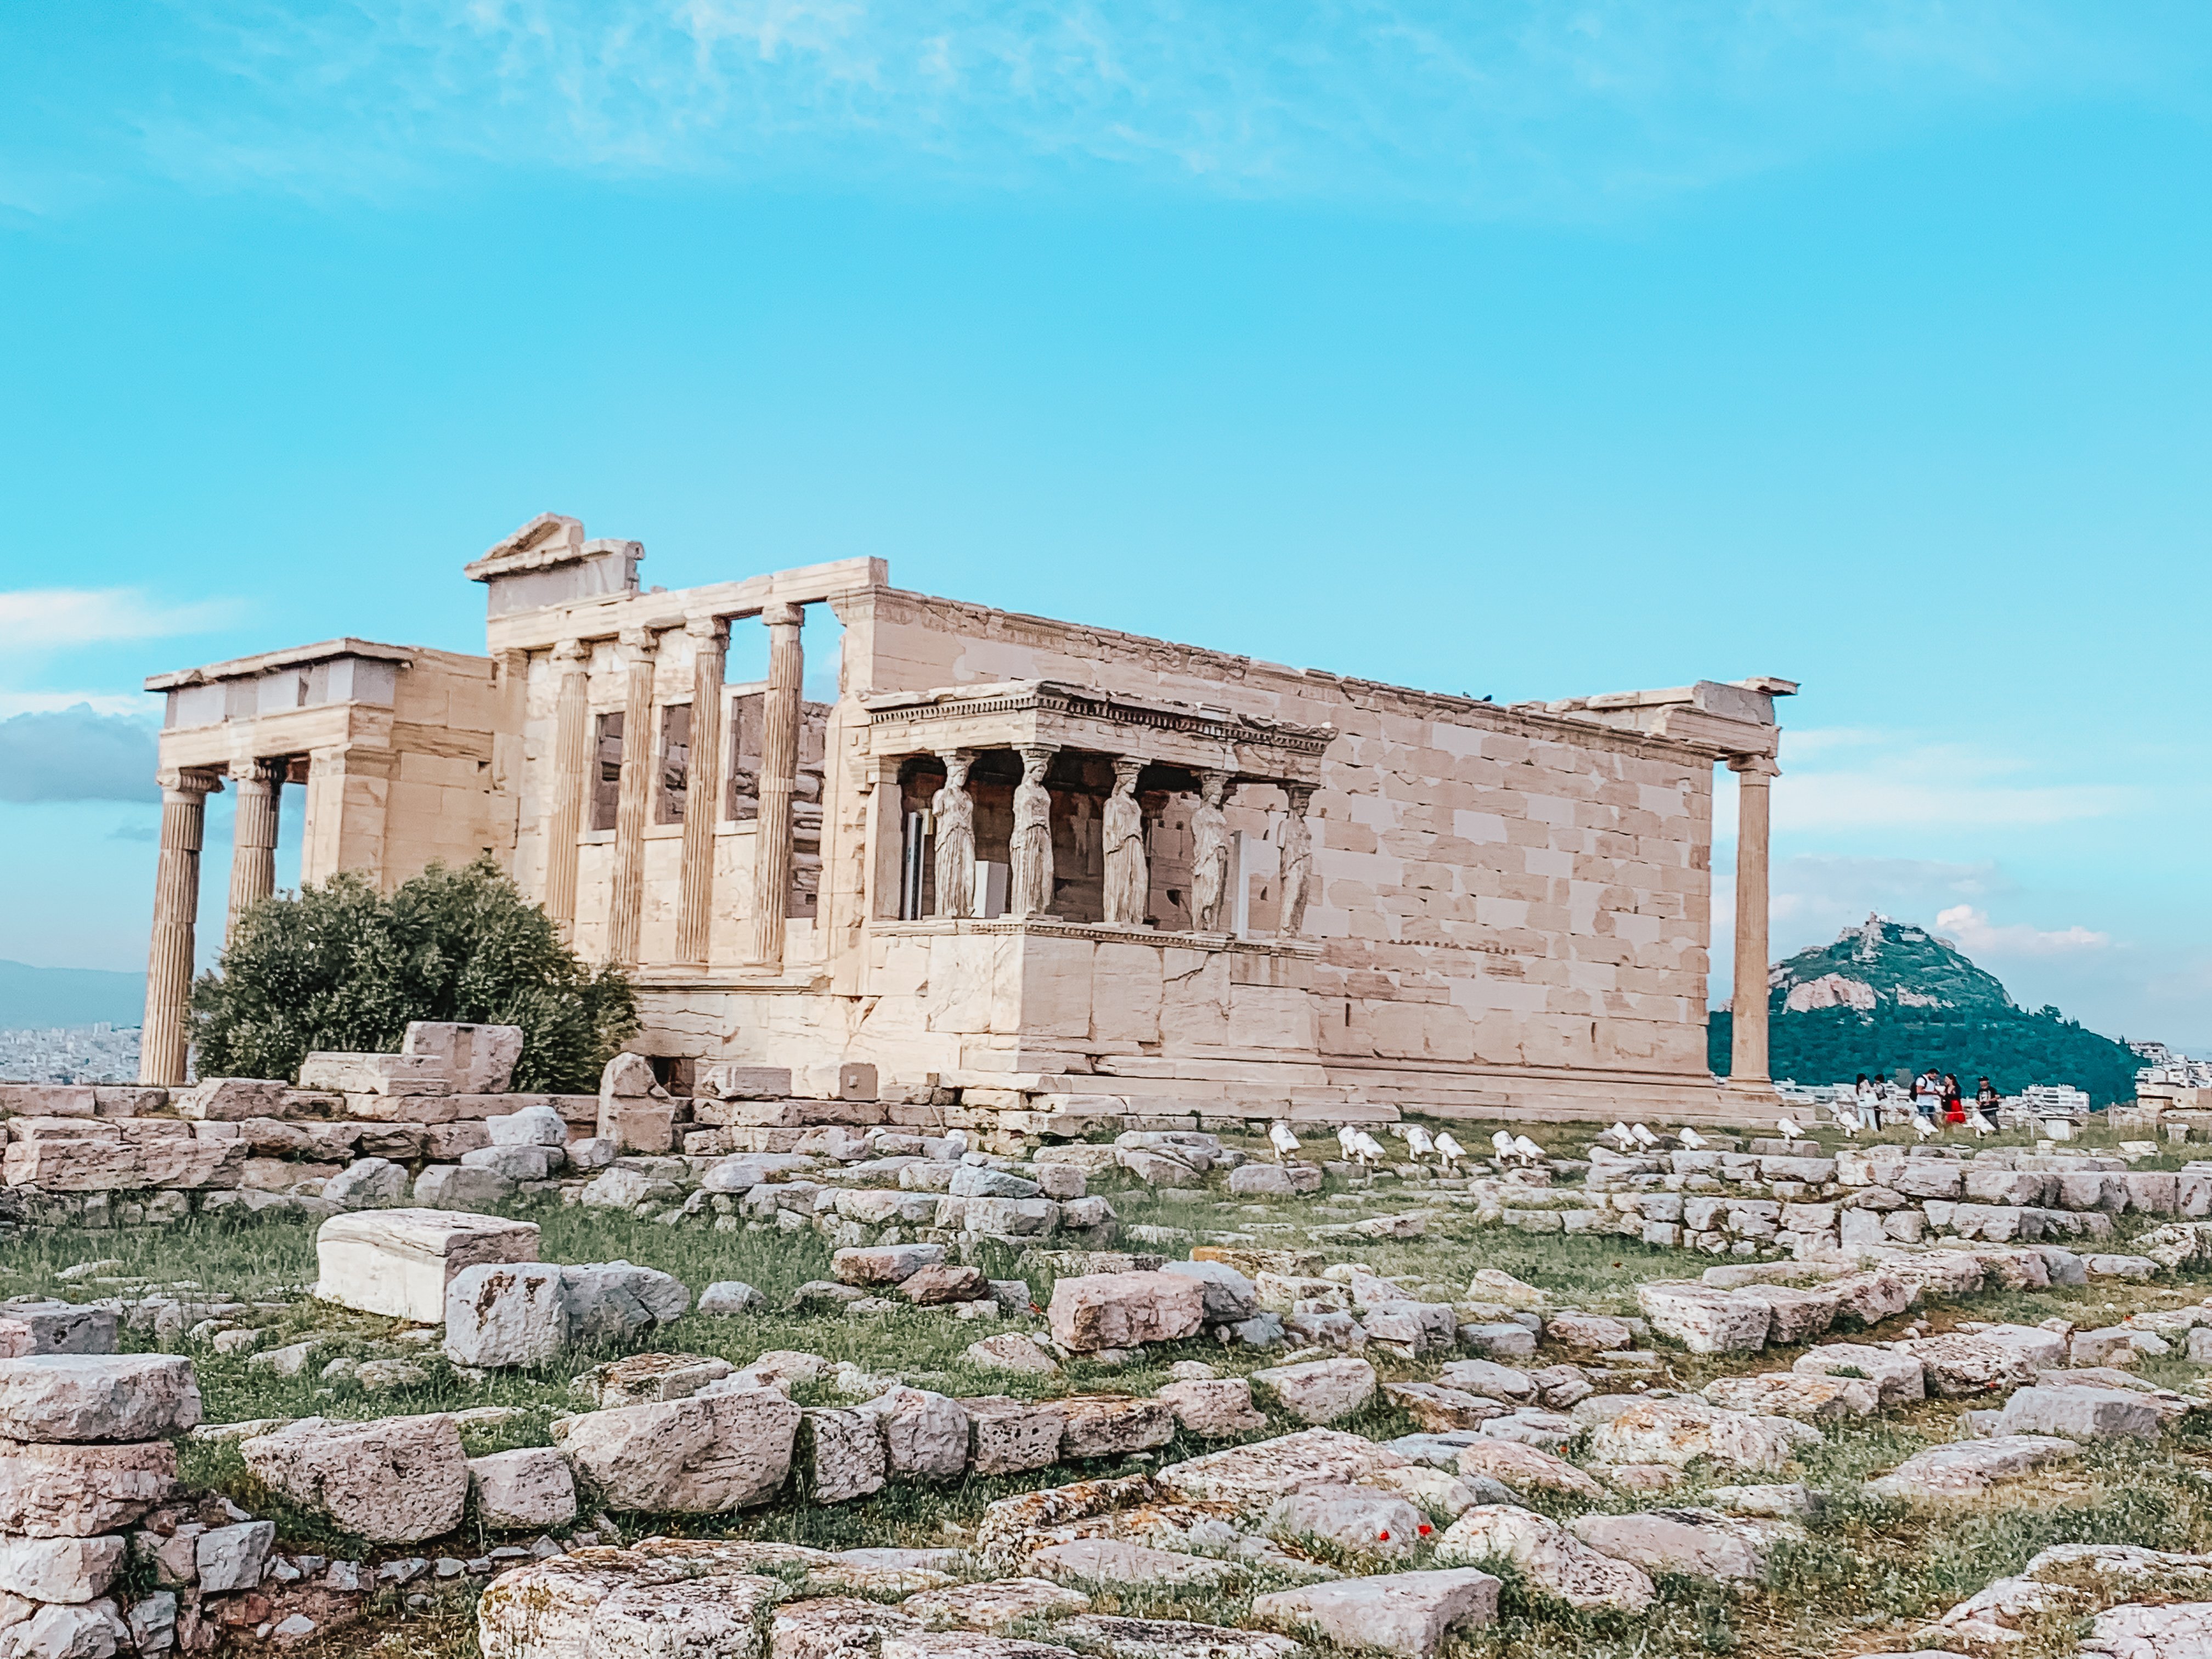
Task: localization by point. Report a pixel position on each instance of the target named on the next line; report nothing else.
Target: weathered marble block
(77, 1491)
(77, 1397)
(376, 1074)
(479, 1059)
(399, 1263)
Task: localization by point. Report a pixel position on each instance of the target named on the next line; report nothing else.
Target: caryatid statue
(1031, 881)
(953, 810)
(1297, 860)
(1209, 855)
(1129, 883)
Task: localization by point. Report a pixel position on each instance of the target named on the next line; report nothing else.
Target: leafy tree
(343, 967)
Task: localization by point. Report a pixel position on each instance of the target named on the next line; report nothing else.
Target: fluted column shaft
(165, 1040)
(572, 771)
(702, 800)
(1748, 1047)
(260, 785)
(779, 777)
(626, 908)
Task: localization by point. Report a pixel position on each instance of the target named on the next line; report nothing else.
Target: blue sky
(1502, 349)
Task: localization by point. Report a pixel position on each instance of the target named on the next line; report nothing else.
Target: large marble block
(401, 1262)
(479, 1059)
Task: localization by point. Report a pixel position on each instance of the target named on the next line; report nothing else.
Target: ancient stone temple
(1014, 854)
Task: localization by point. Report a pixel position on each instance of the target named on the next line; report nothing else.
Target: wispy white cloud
(58, 618)
(1971, 931)
(1858, 779)
(1511, 106)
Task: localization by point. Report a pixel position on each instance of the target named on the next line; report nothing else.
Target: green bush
(343, 967)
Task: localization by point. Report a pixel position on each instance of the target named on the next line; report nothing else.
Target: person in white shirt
(1927, 1094)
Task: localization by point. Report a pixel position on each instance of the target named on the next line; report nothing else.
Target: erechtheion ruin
(1016, 854)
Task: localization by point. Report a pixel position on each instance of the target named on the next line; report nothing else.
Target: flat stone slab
(1169, 1638)
(1680, 1430)
(1699, 1541)
(1113, 1561)
(1252, 1477)
(1554, 1558)
(2081, 1413)
(77, 1397)
(1405, 1613)
(2136, 1630)
(664, 1596)
(399, 1263)
(1520, 1466)
(994, 1603)
(1967, 1468)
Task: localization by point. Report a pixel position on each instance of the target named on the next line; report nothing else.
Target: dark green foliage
(1931, 1007)
(342, 967)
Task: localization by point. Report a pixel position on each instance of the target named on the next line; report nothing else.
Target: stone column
(259, 784)
(164, 1042)
(1030, 881)
(1128, 887)
(954, 862)
(1297, 849)
(779, 776)
(572, 782)
(703, 788)
(1747, 1053)
(626, 909)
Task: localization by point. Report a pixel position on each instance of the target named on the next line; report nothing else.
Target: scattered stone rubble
(1410, 1525)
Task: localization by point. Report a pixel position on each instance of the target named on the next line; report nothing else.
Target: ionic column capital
(572, 653)
(783, 615)
(191, 780)
(638, 644)
(707, 630)
(1747, 767)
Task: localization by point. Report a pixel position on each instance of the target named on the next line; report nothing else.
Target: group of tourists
(1935, 1097)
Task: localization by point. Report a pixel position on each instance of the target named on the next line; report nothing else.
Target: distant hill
(34, 998)
(1890, 994)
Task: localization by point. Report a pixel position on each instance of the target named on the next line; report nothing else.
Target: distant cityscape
(70, 1054)
(2162, 1065)
(103, 1052)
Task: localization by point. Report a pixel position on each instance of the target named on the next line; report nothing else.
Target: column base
(1751, 1090)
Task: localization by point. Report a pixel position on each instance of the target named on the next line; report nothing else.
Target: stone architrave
(1209, 855)
(954, 811)
(1128, 881)
(1297, 860)
(1030, 889)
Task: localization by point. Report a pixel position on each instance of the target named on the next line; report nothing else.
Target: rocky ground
(1404, 1411)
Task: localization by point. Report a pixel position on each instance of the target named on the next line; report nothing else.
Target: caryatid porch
(1037, 800)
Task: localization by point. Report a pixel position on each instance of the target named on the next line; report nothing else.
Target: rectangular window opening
(606, 774)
